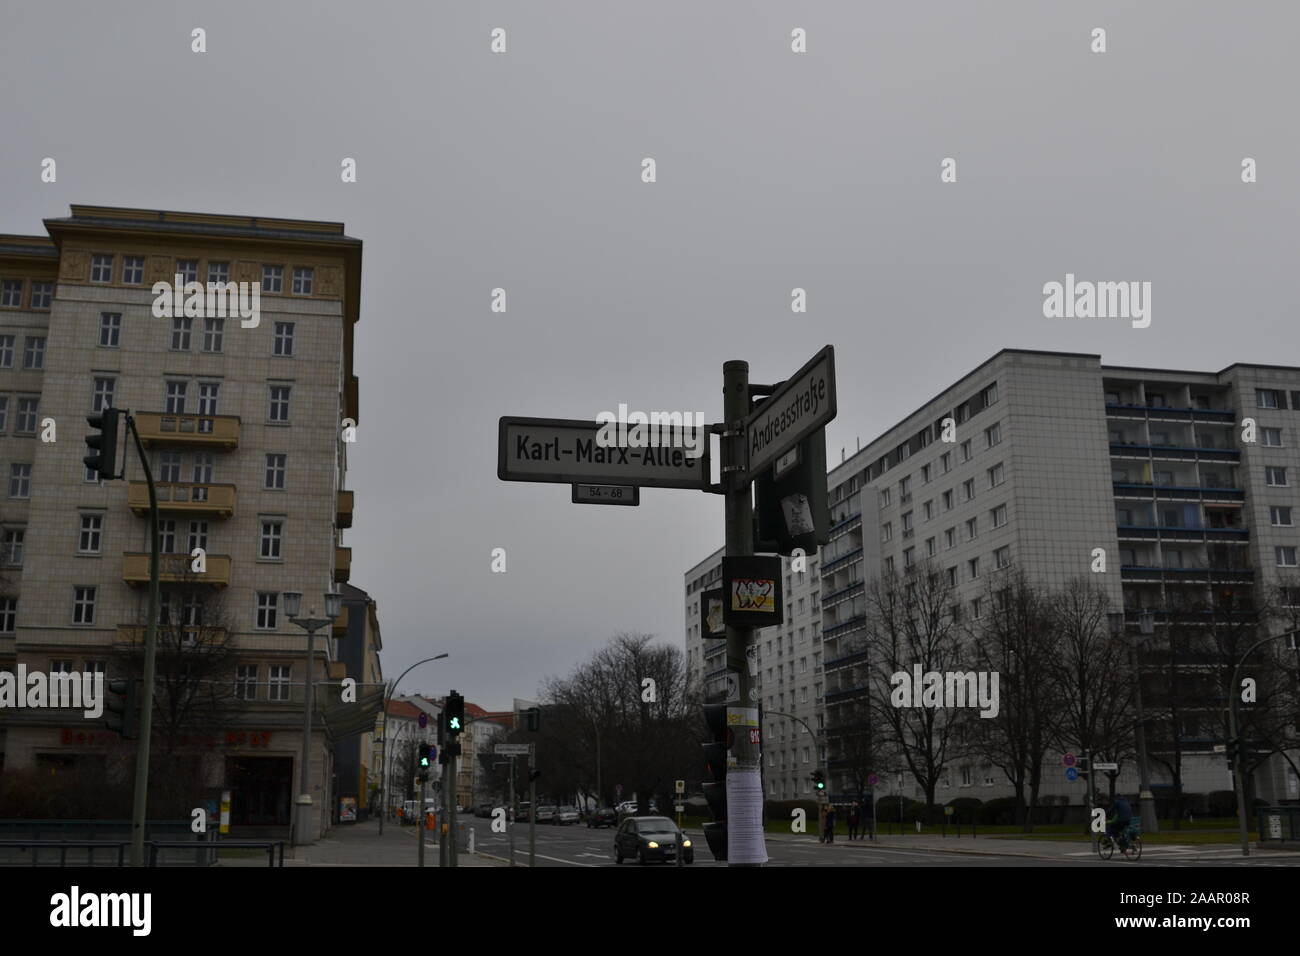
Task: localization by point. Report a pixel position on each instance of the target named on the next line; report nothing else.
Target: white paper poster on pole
(745, 817)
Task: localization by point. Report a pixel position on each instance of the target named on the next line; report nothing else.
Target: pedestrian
(853, 822)
(829, 833)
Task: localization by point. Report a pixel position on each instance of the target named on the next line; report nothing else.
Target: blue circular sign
(1071, 774)
(424, 721)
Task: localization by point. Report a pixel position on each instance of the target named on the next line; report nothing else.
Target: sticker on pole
(751, 587)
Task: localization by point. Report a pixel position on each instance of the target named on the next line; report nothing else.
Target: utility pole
(744, 806)
(420, 820)
(451, 809)
(532, 813)
(514, 811)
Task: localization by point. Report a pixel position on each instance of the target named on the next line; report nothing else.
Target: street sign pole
(450, 808)
(532, 814)
(420, 819)
(514, 811)
(744, 806)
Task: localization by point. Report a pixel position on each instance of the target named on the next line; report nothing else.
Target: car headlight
(686, 843)
(653, 845)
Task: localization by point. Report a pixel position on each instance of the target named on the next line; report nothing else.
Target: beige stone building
(243, 426)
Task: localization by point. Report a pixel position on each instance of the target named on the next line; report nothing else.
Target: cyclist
(1118, 823)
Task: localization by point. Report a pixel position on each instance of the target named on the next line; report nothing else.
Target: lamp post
(1146, 799)
(292, 605)
(388, 696)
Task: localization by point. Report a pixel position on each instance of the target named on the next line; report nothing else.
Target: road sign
(679, 807)
(562, 450)
(513, 750)
(1069, 760)
(423, 720)
(681, 786)
(872, 780)
(1071, 774)
(804, 403)
(947, 811)
(1105, 766)
(606, 495)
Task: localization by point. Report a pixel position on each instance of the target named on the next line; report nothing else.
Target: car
(483, 810)
(651, 838)
(604, 817)
(524, 813)
(565, 815)
(546, 814)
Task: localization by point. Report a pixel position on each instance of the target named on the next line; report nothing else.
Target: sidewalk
(1033, 848)
(359, 844)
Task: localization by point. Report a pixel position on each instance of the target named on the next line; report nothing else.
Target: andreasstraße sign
(513, 750)
(804, 403)
(562, 450)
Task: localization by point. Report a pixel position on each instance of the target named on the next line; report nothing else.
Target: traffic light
(453, 714)
(1233, 750)
(790, 503)
(715, 786)
(103, 446)
(426, 758)
(818, 780)
(123, 706)
(1081, 767)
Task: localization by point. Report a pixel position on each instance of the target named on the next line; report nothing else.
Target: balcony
(175, 569)
(842, 696)
(176, 497)
(849, 625)
(343, 517)
(841, 662)
(200, 431)
(132, 635)
(1166, 413)
(1140, 573)
(1146, 490)
(1173, 452)
(342, 565)
(340, 628)
(829, 566)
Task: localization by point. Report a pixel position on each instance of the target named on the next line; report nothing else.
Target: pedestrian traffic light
(123, 708)
(454, 713)
(715, 784)
(818, 780)
(790, 500)
(103, 446)
(425, 757)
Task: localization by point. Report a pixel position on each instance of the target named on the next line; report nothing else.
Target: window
(8, 615)
(950, 538)
(278, 688)
(1002, 557)
(61, 666)
(886, 530)
(989, 395)
(208, 397)
(4, 411)
(904, 488)
(302, 280)
(928, 510)
(103, 395)
(26, 421)
(83, 605)
(999, 516)
(884, 497)
(181, 328)
(218, 272)
(965, 450)
(6, 351)
(976, 609)
(34, 354)
(283, 344)
(246, 682)
(175, 399)
(889, 565)
(1275, 476)
(993, 434)
(271, 536)
(167, 536)
(1271, 437)
(279, 410)
(1269, 398)
(132, 270)
(1156, 399)
(947, 500)
(925, 474)
(110, 329)
(169, 466)
(945, 460)
(908, 556)
(1112, 398)
(272, 278)
(203, 462)
(101, 268)
(968, 489)
(214, 331)
(996, 475)
(972, 528)
(13, 547)
(20, 481)
(907, 525)
(42, 295)
(951, 576)
(1279, 517)
(275, 469)
(973, 570)
(11, 293)
(198, 536)
(188, 269)
(268, 603)
(1285, 557)
(929, 547)
(90, 539)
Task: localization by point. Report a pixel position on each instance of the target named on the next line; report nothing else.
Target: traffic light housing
(453, 714)
(1081, 766)
(103, 443)
(122, 706)
(715, 784)
(793, 510)
(426, 757)
(1233, 750)
(818, 780)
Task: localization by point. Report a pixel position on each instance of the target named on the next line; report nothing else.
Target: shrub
(1000, 811)
(1222, 803)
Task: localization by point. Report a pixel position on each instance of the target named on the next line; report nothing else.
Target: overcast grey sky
(775, 170)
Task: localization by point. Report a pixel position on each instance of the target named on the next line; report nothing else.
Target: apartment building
(790, 672)
(241, 426)
(356, 755)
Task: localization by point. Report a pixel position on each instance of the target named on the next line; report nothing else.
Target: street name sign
(1105, 766)
(804, 403)
(606, 495)
(562, 450)
(513, 750)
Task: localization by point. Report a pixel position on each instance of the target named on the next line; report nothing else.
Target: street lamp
(388, 695)
(310, 624)
(1146, 799)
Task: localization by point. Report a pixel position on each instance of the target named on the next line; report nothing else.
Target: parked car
(651, 838)
(546, 814)
(483, 810)
(604, 817)
(565, 815)
(524, 812)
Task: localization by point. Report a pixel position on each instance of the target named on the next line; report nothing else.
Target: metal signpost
(754, 437)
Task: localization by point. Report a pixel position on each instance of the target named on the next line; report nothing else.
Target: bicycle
(1130, 844)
